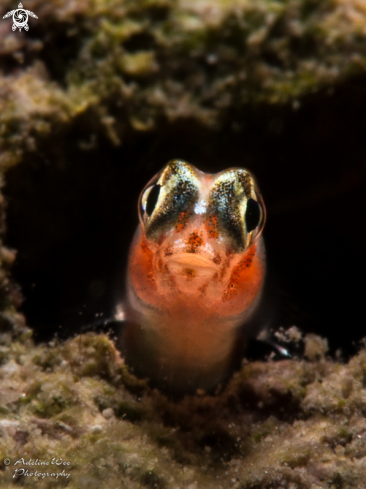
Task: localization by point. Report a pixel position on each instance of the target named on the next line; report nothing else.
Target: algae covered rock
(138, 64)
(292, 423)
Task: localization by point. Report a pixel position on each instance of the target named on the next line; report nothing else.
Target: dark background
(72, 210)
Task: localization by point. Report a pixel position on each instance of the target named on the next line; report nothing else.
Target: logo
(20, 18)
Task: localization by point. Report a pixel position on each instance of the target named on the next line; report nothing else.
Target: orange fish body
(195, 276)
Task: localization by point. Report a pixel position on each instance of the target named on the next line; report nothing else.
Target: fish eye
(252, 215)
(149, 199)
(152, 199)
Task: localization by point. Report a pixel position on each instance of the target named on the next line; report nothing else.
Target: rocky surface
(296, 424)
(140, 64)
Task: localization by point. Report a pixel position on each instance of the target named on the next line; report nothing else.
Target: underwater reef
(99, 78)
(288, 424)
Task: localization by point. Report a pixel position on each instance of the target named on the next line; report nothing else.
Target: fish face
(196, 268)
(199, 230)
(228, 203)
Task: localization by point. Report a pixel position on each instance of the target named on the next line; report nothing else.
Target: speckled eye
(252, 215)
(169, 193)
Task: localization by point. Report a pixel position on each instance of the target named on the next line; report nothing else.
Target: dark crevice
(140, 42)
(72, 209)
(61, 46)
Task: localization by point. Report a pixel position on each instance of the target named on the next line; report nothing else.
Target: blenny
(195, 276)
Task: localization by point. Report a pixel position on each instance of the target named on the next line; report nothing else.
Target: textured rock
(292, 424)
(138, 64)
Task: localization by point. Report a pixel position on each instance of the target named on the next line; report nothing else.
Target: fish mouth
(191, 260)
